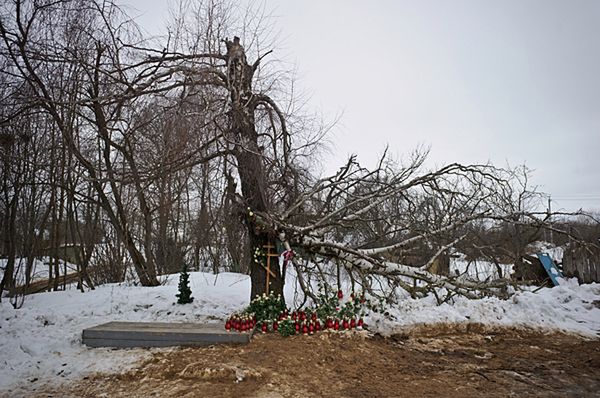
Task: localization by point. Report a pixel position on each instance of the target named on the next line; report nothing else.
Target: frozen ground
(41, 342)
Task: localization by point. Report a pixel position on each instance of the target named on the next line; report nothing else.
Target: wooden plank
(580, 273)
(183, 327)
(586, 272)
(150, 334)
(44, 284)
(268, 269)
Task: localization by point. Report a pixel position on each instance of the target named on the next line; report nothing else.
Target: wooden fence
(582, 262)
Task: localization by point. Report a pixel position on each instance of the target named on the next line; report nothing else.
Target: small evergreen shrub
(185, 293)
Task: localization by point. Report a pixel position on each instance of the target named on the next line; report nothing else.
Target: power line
(582, 199)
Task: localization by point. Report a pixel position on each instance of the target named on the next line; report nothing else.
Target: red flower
(340, 294)
(352, 323)
(264, 327)
(360, 323)
(275, 326)
(228, 326)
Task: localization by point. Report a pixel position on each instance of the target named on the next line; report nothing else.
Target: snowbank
(569, 308)
(41, 342)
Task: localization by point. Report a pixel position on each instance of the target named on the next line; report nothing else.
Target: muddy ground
(433, 361)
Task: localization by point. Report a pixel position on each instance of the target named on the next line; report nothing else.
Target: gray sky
(502, 81)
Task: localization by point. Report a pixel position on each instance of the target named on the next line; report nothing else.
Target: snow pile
(41, 342)
(569, 308)
(556, 252)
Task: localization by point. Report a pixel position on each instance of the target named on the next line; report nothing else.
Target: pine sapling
(185, 293)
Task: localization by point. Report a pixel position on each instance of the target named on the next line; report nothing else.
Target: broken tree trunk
(250, 165)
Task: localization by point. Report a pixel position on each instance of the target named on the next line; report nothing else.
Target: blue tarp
(551, 268)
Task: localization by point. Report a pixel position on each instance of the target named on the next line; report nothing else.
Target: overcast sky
(509, 82)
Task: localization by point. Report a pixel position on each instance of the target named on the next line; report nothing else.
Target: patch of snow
(556, 252)
(39, 269)
(42, 340)
(570, 308)
(478, 269)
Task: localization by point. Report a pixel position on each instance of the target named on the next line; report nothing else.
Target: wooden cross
(270, 273)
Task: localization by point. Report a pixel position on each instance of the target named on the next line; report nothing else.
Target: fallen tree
(373, 224)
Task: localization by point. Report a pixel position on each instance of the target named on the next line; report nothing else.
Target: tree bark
(250, 165)
(8, 279)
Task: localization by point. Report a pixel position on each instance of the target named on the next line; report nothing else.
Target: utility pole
(549, 215)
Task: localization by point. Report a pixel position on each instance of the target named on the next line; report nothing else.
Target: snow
(570, 308)
(41, 342)
(556, 252)
(485, 270)
(478, 269)
(39, 269)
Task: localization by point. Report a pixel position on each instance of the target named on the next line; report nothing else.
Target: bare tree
(185, 148)
(74, 58)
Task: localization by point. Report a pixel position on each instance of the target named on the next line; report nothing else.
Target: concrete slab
(159, 334)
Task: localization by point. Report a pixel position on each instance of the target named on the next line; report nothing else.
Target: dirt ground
(433, 361)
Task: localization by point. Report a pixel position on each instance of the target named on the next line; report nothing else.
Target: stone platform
(157, 334)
